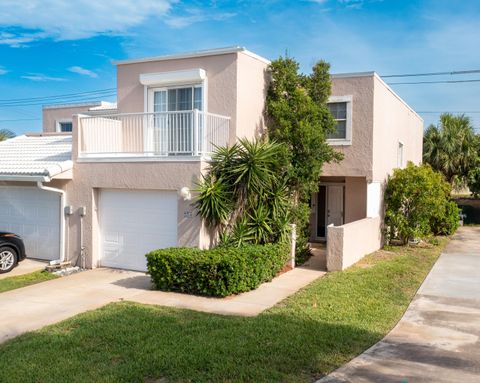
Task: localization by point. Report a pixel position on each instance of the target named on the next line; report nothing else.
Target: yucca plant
(6, 134)
(244, 196)
(214, 202)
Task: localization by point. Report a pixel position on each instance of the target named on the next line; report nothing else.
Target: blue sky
(54, 47)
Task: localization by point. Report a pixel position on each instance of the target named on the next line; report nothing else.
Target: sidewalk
(437, 340)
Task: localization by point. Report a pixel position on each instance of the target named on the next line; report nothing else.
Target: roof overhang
(201, 53)
(24, 178)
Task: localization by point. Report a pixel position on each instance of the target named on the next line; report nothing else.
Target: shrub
(474, 181)
(418, 204)
(446, 222)
(221, 271)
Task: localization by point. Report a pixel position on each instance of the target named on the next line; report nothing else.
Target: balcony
(152, 136)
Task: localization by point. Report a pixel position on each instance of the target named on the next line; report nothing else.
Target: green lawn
(18, 281)
(299, 340)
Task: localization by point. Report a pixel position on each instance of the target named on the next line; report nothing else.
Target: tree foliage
(244, 195)
(473, 180)
(5, 134)
(451, 148)
(298, 117)
(418, 204)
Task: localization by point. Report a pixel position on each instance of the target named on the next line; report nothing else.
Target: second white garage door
(133, 223)
(33, 214)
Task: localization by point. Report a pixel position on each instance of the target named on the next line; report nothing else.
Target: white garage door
(133, 223)
(33, 214)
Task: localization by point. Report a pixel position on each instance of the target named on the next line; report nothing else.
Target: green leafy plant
(474, 180)
(6, 134)
(418, 204)
(244, 195)
(221, 271)
(452, 148)
(298, 117)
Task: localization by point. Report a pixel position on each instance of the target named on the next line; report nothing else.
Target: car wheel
(8, 259)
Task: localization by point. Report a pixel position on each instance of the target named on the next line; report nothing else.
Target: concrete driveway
(36, 306)
(437, 340)
(25, 267)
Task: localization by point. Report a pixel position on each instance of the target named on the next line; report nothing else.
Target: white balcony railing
(182, 133)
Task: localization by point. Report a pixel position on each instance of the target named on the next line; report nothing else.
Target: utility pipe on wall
(62, 213)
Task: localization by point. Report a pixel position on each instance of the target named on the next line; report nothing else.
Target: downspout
(62, 213)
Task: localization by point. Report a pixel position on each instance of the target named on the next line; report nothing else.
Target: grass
(18, 281)
(306, 336)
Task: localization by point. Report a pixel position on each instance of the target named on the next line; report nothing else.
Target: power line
(434, 73)
(433, 82)
(457, 112)
(71, 100)
(57, 96)
(21, 119)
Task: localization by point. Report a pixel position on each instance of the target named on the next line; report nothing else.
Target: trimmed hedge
(220, 272)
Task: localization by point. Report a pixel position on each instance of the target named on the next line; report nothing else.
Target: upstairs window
(64, 126)
(339, 112)
(341, 109)
(177, 99)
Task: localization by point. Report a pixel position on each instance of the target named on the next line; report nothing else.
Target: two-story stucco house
(119, 184)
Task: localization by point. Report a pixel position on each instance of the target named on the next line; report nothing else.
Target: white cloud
(71, 20)
(41, 77)
(82, 71)
(19, 40)
(195, 15)
(3, 70)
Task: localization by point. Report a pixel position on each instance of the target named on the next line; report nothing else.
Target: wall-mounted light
(185, 193)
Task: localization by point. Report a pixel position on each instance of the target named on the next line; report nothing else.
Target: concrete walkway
(36, 306)
(26, 266)
(437, 340)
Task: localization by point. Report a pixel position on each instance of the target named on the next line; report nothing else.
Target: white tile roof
(35, 156)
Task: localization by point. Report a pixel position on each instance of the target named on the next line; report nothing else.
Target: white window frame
(150, 92)
(58, 123)
(348, 126)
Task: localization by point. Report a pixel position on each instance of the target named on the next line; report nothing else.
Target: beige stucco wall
(91, 177)
(349, 243)
(355, 198)
(252, 86)
(394, 121)
(358, 156)
(51, 115)
(221, 92)
(235, 87)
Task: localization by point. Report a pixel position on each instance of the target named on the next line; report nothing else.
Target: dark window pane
(66, 126)
(341, 131)
(184, 99)
(197, 98)
(338, 109)
(172, 100)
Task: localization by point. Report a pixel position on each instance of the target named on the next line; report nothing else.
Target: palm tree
(5, 134)
(450, 148)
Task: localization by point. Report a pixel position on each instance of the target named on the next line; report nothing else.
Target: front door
(335, 205)
(327, 207)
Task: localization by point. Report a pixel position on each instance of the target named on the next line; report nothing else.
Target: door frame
(149, 106)
(315, 209)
